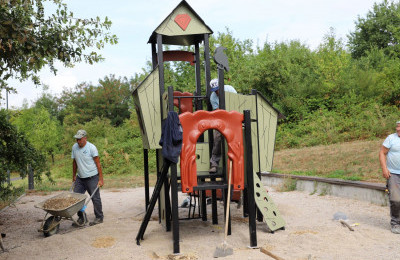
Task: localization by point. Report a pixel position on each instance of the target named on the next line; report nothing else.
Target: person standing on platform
(214, 100)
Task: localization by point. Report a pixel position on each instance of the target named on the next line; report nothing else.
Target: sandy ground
(311, 232)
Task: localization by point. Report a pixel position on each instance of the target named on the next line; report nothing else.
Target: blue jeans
(89, 184)
(394, 198)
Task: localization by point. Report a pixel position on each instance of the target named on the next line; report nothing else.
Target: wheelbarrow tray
(69, 211)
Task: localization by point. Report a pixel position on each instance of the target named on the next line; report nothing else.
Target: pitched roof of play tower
(183, 26)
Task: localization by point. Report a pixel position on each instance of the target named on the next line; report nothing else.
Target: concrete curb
(372, 192)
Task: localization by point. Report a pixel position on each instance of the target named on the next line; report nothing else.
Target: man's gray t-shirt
(84, 159)
(392, 142)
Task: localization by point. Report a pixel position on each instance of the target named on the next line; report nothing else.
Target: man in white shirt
(87, 174)
(389, 157)
(214, 100)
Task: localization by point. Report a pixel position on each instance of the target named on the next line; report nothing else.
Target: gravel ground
(310, 232)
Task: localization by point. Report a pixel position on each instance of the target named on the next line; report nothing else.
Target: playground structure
(247, 123)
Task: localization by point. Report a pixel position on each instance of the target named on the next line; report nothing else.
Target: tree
(16, 153)
(378, 30)
(41, 130)
(287, 74)
(51, 104)
(29, 39)
(110, 99)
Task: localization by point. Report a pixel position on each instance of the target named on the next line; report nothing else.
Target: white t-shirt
(84, 159)
(392, 142)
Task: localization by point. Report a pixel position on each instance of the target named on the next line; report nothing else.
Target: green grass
(289, 184)
(345, 175)
(356, 161)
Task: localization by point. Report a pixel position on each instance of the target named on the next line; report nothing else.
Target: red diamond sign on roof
(183, 20)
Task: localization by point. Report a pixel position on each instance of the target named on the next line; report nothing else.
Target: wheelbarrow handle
(72, 189)
(91, 196)
(85, 205)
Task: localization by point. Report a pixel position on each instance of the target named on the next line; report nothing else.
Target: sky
(134, 21)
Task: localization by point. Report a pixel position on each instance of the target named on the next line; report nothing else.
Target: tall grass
(356, 160)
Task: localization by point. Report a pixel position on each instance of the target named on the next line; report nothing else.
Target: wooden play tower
(247, 122)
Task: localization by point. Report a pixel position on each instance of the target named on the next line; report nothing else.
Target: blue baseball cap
(214, 85)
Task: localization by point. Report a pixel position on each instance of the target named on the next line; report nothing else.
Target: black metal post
(210, 132)
(175, 217)
(254, 92)
(154, 55)
(214, 211)
(222, 105)
(160, 63)
(208, 88)
(221, 85)
(31, 183)
(245, 205)
(166, 184)
(203, 205)
(8, 177)
(174, 187)
(250, 180)
(154, 197)
(199, 102)
(146, 176)
(199, 105)
(159, 169)
(167, 204)
(207, 70)
(160, 60)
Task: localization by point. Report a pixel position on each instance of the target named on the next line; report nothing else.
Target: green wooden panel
(267, 123)
(238, 102)
(202, 157)
(254, 142)
(138, 109)
(202, 160)
(148, 93)
(170, 28)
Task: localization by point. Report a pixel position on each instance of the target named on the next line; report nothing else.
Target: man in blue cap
(214, 100)
(87, 174)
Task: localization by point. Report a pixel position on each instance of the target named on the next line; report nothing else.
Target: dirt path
(310, 231)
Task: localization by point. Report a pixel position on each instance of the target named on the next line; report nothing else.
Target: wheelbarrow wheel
(53, 223)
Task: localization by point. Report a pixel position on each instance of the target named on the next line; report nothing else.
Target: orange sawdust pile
(103, 242)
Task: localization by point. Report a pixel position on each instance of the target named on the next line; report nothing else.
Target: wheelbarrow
(51, 225)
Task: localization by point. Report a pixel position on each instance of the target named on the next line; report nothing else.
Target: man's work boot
(395, 229)
(96, 221)
(213, 169)
(82, 219)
